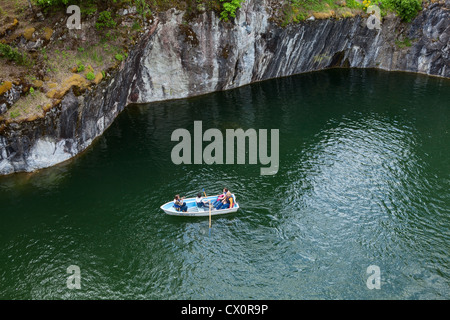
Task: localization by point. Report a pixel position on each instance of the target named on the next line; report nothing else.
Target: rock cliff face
(207, 55)
(178, 59)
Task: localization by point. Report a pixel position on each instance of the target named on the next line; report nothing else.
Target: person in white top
(200, 201)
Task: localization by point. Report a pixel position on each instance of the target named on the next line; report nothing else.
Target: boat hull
(194, 211)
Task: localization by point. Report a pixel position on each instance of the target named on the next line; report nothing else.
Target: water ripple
(363, 179)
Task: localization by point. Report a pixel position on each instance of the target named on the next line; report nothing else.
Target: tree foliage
(229, 8)
(406, 9)
(51, 3)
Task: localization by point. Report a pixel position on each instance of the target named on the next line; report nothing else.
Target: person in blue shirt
(179, 204)
(220, 198)
(226, 203)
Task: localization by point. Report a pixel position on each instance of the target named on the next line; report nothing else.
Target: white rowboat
(194, 211)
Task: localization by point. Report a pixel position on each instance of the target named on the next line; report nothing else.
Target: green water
(364, 179)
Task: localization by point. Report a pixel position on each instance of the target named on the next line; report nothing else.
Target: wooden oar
(210, 218)
(209, 212)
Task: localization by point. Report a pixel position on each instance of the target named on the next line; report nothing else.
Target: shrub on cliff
(90, 76)
(229, 8)
(51, 3)
(14, 55)
(105, 20)
(406, 9)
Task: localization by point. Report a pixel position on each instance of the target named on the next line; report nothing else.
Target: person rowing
(200, 201)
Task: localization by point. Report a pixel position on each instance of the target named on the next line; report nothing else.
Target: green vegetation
(90, 76)
(295, 11)
(80, 67)
(15, 114)
(353, 4)
(119, 57)
(406, 9)
(105, 20)
(142, 8)
(136, 26)
(88, 9)
(50, 3)
(403, 43)
(229, 8)
(15, 55)
(314, 5)
(44, 53)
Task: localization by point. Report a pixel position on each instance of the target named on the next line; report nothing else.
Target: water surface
(364, 179)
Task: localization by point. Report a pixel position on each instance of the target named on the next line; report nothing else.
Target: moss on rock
(28, 33)
(6, 86)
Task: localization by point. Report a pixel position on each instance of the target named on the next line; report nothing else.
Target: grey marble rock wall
(175, 59)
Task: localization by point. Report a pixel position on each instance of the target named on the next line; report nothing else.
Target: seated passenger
(227, 202)
(220, 197)
(179, 204)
